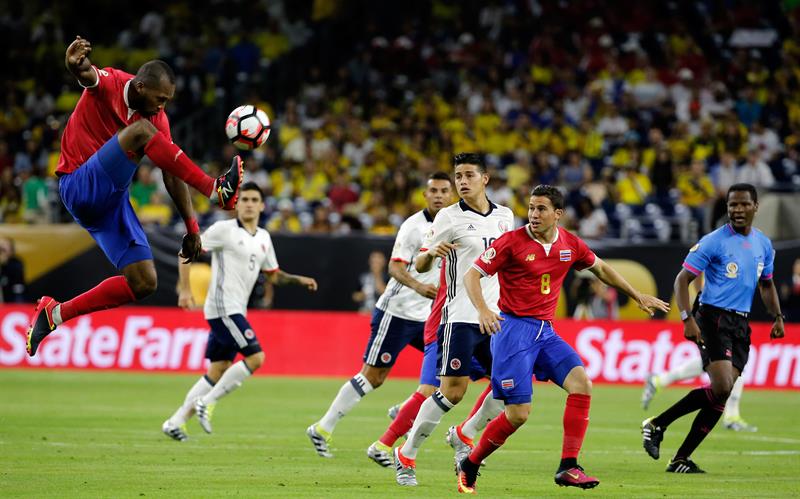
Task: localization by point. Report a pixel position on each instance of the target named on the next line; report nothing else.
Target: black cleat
(227, 184)
(652, 436)
(467, 474)
(683, 466)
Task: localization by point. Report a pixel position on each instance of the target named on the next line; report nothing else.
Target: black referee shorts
(726, 336)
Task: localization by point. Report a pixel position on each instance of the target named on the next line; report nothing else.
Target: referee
(735, 258)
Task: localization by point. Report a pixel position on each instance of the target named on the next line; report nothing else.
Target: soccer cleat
(651, 388)
(739, 424)
(319, 440)
(652, 436)
(42, 323)
(683, 466)
(204, 412)
(393, 411)
(175, 432)
(227, 185)
(460, 447)
(575, 477)
(405, 469)
(467, 474)
(380, 453)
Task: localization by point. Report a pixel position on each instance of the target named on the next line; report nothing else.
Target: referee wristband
(684, 315)
(191, 226)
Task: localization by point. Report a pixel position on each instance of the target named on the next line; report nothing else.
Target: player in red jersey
(118, 119)
(531, 263)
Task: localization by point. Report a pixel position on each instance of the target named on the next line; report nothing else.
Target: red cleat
(575, 477)
(42, 323)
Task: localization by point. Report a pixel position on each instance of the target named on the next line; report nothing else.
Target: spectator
(723, 175)
(285, 220)
(633, 187)
(12, 274)
(696, 191)
(755, 171)
(790, 294)
(591, 221)
(373, 283)
(35, 202)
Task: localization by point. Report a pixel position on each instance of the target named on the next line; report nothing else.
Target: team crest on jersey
(507, 384)
(249, 334)
(430, 233)
(694, 248)
(531, 257)
(565, 255)
(488, 255)
(455, 364)
(732, 270)
(386, 357)
(503, 226)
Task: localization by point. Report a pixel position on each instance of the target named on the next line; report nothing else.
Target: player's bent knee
(375, 375)
(254, 361)
(136, 135)
(426, 390)
(143, 286)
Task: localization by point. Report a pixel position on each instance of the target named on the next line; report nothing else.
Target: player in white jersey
(240, 251)
(460, 233)
(399, 316)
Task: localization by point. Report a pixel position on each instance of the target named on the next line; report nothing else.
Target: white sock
(56, 315)
(349, 395)
(489, 409)
(231, 379)
(689, 369)
(732, 405)
(430, 413)
(185, 411)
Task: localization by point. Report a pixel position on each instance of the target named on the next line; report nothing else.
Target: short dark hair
(252, 186)
(470, 158)
(152, 72)
(743, 188)
(551, 193)
(440, 176)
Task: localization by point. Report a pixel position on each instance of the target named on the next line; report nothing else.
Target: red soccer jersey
(530, 277)
(435, 318)
(101, 112)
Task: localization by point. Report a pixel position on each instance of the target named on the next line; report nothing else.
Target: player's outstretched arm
(769, 295)
(191, 246)
(608, 275)
(78, 63)
(397, 269)
(488, 321)
(184, 289)
(281, 278)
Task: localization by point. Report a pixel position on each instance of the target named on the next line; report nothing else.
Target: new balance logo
(226, 190)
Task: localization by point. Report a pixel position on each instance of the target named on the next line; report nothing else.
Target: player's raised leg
(656, 382)
(731, 417)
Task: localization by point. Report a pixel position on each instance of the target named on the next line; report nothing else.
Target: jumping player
(531, 263)
(118, 119)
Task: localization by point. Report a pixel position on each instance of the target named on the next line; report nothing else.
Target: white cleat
(406, 475)
(739, 424)
(319, 440)
(204, 412)
(381, 454)
(460, 448)
(175, 432)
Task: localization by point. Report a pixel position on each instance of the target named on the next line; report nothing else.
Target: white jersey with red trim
(472, 233)
(402, 301)
(237, 257)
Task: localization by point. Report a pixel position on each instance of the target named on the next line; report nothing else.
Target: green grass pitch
(79, 434)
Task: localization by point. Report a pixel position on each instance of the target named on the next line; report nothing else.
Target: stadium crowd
(643, 118)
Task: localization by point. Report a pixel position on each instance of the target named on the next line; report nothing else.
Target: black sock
(703, 423)
(567, 463)
(694, 400)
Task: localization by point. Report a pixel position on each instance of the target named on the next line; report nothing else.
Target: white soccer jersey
(237, 257)
(472, 232)
(398, 300)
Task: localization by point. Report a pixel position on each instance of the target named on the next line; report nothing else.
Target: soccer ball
(247, 127)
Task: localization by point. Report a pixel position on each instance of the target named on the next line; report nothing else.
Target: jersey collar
(465, 207)
(125, 96)
(427, 215)
(240, 224)
(530, 234)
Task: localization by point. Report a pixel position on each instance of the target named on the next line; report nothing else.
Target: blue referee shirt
(733, 264)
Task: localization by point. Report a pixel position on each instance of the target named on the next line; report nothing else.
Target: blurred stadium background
(643, 112)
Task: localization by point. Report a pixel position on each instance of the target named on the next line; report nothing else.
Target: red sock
(110, 293)
(494, 436)
(404, 420)
(172, 159)
(576, 420)
(478, 403)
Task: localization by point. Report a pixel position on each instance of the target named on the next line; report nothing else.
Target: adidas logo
(470, 227)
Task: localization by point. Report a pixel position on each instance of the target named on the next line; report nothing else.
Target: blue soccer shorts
(459, 343)
(231, 335)
(427, 374)
(389, 336)
(524, 348)
(96, 195)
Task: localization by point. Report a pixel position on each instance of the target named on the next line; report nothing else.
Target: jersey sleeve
(700, 255)
(406, 244)
(495, 256)
(440, 231)
(584, 256)
(769, 262)
(270, 262)
(213, 239)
